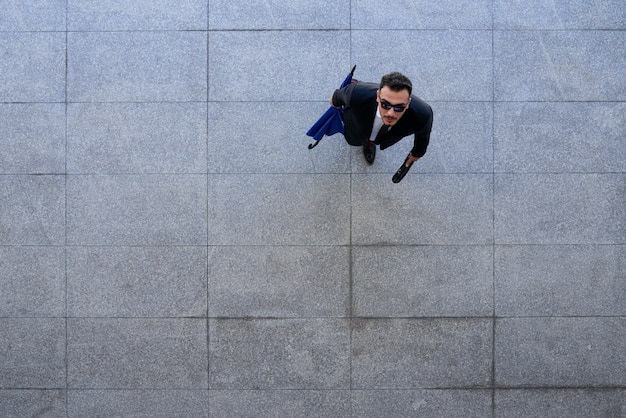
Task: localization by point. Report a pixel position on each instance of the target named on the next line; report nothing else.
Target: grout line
(122, 245)
(349, 29)
(207, 247)
(350, 248)
(493, 220)
(316, 318)
(170, 101)
(65, 255)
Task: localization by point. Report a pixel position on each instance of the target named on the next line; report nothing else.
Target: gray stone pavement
(170, 247)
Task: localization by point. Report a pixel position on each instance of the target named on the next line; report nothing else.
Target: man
(383, 114)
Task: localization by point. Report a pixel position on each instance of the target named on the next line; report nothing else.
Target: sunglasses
(396, 108)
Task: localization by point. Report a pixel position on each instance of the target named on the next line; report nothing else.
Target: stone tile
(279, 403)
(33, 15)
(279, 281)
(560, 352)
(279, 209)
(451, 65)
(417, 212)
(574, 403)
(32, 68)
(559, 14)
(32, 137)
(276, 147)
(33, 403)
(111, 15)
(580, 280)
(136, 210)
(137, 281)
(282, 66)
(460, 142)
(32, 209)
(137, 353)
(279, 14)
(137, 403)
(421, 353)
(559, 66)
(421, 403)
(137, 66)
(279, 354)
(559, 137)
(32, 282)
(566, 143)
(422, 281)
(421, 14)
(137, 138)
(559, 209)
(32, 353)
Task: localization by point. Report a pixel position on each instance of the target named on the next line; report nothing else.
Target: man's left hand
(410, 160)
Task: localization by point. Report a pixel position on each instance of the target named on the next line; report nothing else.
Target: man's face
(392, 104)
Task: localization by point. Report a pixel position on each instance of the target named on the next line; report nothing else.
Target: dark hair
(396, 82)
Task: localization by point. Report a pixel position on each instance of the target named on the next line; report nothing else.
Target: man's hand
(332, 104)
(410, 160)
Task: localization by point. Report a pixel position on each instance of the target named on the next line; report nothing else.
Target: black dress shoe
(369, 151)
(401, 171)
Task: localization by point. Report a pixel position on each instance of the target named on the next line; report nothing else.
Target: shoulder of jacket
(363, 91)
(420, 106)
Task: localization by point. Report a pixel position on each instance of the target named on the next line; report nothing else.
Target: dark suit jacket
(359, 102)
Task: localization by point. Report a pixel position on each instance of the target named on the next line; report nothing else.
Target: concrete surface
(170, 247)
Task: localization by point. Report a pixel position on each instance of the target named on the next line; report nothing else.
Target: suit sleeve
(422, 137)
(342, 97)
